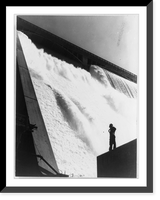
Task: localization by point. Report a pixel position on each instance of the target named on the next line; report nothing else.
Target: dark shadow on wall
(66, 111)
(75, 122)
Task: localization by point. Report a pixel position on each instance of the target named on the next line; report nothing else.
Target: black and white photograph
(79, 99)
(76, 96)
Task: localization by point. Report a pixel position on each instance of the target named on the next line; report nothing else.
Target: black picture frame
(151, 22)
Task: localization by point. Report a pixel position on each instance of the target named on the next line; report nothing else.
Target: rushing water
(78, 106)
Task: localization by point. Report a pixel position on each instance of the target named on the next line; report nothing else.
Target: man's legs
(110, 145)
(114, 144)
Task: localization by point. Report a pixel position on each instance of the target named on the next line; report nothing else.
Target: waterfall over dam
(77, 107)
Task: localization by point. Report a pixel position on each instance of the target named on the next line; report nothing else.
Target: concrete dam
(66, 97)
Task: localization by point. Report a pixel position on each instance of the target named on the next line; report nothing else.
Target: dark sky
(114, 38)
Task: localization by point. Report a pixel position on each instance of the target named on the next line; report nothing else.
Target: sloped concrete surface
(120, 162)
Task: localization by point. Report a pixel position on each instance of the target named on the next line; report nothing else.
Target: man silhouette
(112, 141)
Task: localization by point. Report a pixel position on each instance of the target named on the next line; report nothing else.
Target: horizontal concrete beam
(25, 26)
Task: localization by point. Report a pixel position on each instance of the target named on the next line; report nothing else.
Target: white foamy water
(78, 106)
